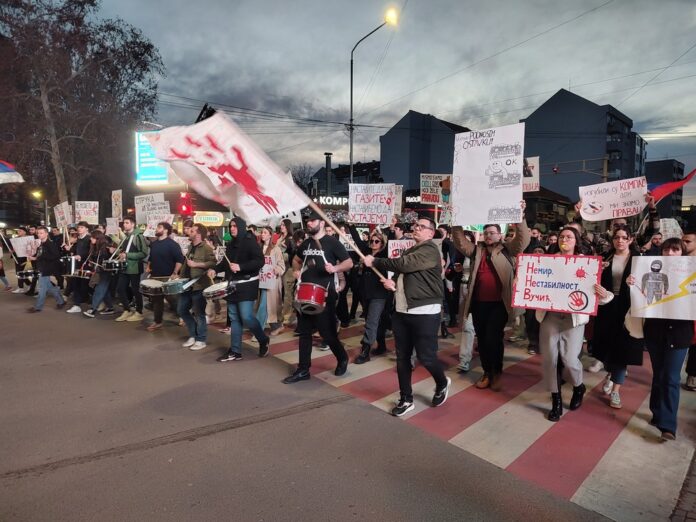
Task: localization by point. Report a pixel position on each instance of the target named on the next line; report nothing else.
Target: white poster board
(398, 199)
(267, 277)
(669, 227)
(111, 226)
(665, 287)
(87, 211)
(155, 218)
(557, 283)
(140, 202)
(615, 199)
(62, 213)
(487, 176)
(445, 217)
(431, 188)
(183, 241)
(371, 203)
(23, 246)
(117, 204)
(398, 246)
(530, 175)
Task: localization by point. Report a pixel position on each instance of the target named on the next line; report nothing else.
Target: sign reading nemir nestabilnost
(487, 176)
(615, 199)
(557, 283)
(371, 203)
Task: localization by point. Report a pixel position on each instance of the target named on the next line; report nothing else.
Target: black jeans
(489, 319)
(352, 284)
(132, 281)
(532, 327)
(80, 290)
(325, 322)
(417, 332)
(691, 361)
(158, 305)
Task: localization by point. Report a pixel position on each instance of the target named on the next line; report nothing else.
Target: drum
(151, 287)
(217, 291)
(114, 265)
(28, 276)
(175, 286)
(70, 265)
(310, 298)
(83, 274)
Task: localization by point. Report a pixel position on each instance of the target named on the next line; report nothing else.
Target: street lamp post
(390, 18)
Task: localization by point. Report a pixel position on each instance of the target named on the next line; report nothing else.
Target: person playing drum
(317, 261)
(80, 249)
(134, 251)
(98, 253)
(166, 260)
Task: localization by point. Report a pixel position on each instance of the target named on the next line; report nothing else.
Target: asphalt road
(105, 421)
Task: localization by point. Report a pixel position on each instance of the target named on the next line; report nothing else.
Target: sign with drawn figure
(487, 176)
(267, 275)
(155, 218)
(62, 213)
(112, 226)
(183, 241)
(117, 204)
(87, 211)
(371, 203)
(23, 246)
(530, 175)
(616, 199)
(434, 188)
(445, 216)
(669, 227)
(557, 283)
(140, 202)
(664, 288)
(219, 253)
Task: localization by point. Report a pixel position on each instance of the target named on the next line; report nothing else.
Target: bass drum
(310, 298)
(151, 287)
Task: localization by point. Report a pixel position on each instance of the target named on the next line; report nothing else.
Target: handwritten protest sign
(62, 213)
(398, 246)
(117, 204)
(219, 253)
(267, 277)
(23, 246)
(669, 227)
(183, 241)
(111, 226)
(431, 187)
(530, 177)
(665, 287)
(153, 219)
(487, 176)
(372, 203)
(140, 203)
(445, 217)
(87, 211)
(615, 199)
(398, 199)
(557, 283)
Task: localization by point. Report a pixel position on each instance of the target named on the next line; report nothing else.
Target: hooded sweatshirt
(136, 251)
(246, 252)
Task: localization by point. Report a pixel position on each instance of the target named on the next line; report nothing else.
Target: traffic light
(185, 204)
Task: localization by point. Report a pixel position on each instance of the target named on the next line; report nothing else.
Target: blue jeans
(618, 373)
(664, 394)
(193, 300)
(262, 312)
(47, 287)
(101, 291)
(242, 316)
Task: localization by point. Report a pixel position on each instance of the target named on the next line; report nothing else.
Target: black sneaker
(89, 313)
(230, 356)
(263, 348)
(402, 408)
(441, 396)
(107, 311)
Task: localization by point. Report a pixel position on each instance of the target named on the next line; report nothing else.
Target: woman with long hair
(99, 252)
(287, 248)
(270, 304)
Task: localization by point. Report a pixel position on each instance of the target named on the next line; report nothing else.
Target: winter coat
(246, 252)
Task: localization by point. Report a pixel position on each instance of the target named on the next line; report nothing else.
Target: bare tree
(302, 174)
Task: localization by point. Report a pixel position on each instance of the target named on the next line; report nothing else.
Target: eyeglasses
(418, 226)
(376, 241)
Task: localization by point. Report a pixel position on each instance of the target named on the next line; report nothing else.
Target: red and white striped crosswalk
(604, 459)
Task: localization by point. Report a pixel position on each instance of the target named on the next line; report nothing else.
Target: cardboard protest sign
(487, 176)
(87, 211)
(615, 199)
(62, 213)
(445, 217)
(398, 246)
(219, 253)
(398, 199)
(665, 287)
(669, 227)
(112, 226)
(557, 283)
(431, 186)
(140, 203)
(23, 246)
(117, 204)
(183, 241)
(371, 203)
(267, 277)
(530, 175)
(153, 219)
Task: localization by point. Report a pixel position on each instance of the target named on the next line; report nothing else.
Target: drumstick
(343, 236)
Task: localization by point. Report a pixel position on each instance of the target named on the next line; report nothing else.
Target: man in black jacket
(81, 251)
(244, 259)
(46, 262)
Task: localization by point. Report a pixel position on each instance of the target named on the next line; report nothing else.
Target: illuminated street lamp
(391, 17)
(37, 195)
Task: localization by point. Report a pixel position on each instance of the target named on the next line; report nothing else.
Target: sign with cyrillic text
(530, 175)
(87, 211)
(615, 199)
(431, 186)
(371, 203)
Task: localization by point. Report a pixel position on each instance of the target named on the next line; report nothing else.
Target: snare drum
(70, 265)
(28, 276)
(115, 265)
(310, 298)
(217, 291)
(151, 287)
(83, 274)
(175, 286)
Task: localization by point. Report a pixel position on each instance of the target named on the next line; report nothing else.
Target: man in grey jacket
(418, 301)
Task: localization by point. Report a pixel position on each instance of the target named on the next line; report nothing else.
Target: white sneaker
(615, 400)
(74, 309)
(596, 367)
(125, 315)
(607, 386)
(134, 317)
(18, 291)
(189, 342)
(198, 345)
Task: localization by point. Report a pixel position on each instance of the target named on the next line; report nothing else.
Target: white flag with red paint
(222, 163)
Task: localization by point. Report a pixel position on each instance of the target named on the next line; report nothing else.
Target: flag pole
(345, 238)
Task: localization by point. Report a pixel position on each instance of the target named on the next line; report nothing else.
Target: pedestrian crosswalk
(606, 460)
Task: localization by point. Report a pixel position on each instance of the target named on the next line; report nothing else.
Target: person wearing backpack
(489, 296)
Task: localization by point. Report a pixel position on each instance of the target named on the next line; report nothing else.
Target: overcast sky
(479, 64)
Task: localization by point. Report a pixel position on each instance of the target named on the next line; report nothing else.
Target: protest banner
(62, 213)
(87, 211)
(398, 199)
(71, 215)
(487, 176)
(557, 283)
(153, 219)
(23, 246)
(431, 188)
(183, 241)
(530, 178)
(140, 202)
(669, 227)
(615, 199)
(396, 247)
(372, 203)
(112, 226)
(267, 276)
(117, 204)
(445, 217)
(665, 287)
(219, 253)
